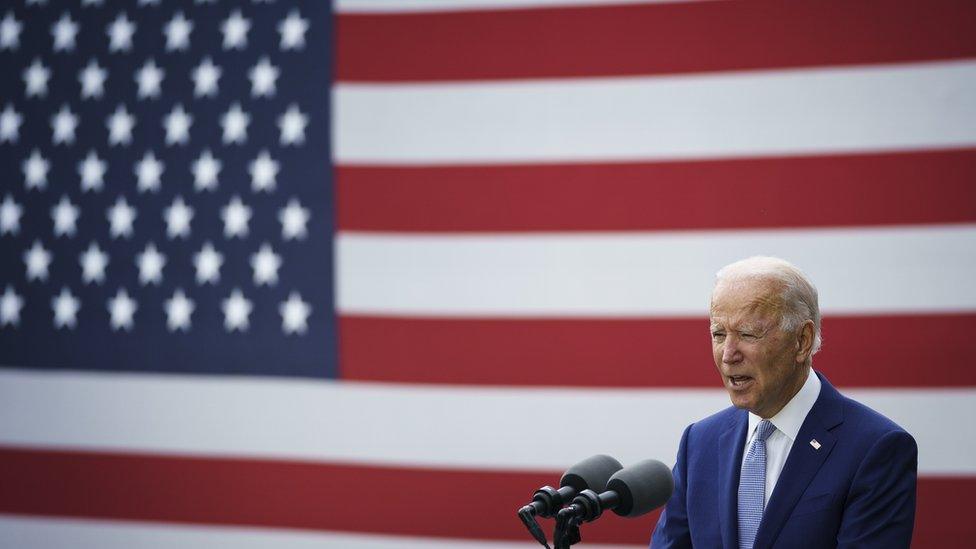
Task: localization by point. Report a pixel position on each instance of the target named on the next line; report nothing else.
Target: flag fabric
(367, 275)
(173, 195)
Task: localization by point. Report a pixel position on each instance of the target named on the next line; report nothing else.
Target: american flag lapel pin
(815, 444)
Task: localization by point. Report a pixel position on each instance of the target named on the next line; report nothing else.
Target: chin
(743, 403)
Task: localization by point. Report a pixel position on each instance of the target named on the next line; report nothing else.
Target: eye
(718, 335)
(749, 336)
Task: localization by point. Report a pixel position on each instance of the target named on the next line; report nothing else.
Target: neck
(794, 388)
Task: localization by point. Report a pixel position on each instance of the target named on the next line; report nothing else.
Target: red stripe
(316, 496)
(942, 514)
(883, 351)
(648, 39)
(932, 187)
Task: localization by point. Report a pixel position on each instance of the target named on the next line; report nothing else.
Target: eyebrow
(751, 327)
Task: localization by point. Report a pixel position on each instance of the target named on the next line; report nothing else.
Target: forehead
(746, 299)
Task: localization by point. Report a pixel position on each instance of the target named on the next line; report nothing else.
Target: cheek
(761, 360)
(771, 361)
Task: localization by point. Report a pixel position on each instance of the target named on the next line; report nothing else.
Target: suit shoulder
(867, 421)
(719, 421)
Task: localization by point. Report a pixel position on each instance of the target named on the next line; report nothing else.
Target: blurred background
(366, 275)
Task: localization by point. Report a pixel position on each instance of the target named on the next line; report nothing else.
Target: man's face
(757, 360)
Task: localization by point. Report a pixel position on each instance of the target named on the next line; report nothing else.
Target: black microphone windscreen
(642, 487)
(590, 474)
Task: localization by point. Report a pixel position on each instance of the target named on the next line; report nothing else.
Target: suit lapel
(730, 446)
(802, 463)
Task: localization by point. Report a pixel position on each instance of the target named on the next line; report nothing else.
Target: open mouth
(739, 381)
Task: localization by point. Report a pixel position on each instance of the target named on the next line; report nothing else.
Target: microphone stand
(586, 507)
(567, 532)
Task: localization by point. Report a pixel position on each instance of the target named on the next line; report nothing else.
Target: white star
(235, 122)
(65, 216)
(205, 171)
(265, 264)
(292, 125)
(236, 310)
(178, 311)
(178, 216)
(149, 3)
(120, 218)
(37, 260)
(35, 169)
(92, 2)
(63, 124)
(64, 33)
(263, 77)
(177, 124)
(10, 212)
(235, 30)
(65, 308)
(92, 172)
(10, 121)
(122, 308)
(148, 172)
(10, 306)
(36, 2)
(293, 218)
(120, 33)
(92, 79)
(292, 29)
(205, 77)
(35, 79)
(120, 124)
(150, 263)
(10, 29)
(207, 262)
(93, 263)
(236, 217)
(264, 171)
(149, 77)
(177, 32)
(294, 314)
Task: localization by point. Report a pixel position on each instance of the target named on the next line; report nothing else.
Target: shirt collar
(790, 418)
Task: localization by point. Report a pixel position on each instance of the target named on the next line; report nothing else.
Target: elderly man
(793, 463)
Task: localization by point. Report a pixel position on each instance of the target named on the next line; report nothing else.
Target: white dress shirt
(787, 422)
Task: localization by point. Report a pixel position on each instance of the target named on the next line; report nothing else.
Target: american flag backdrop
(366, 275)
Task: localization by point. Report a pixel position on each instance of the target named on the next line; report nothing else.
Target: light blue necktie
(752, 486)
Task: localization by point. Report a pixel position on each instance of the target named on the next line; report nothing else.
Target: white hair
(799, 295)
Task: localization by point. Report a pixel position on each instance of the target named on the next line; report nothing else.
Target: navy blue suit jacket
(856, 490)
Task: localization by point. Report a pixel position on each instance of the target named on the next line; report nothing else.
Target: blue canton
(167, 199)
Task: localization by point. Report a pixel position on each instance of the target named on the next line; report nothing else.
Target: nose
(730, 351)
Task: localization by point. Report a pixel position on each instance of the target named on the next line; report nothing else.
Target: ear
(804, 342)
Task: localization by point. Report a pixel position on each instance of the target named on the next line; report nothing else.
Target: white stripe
(411, 6)
(49, 533)
(781, 112)
(485, 428)
(870, 270)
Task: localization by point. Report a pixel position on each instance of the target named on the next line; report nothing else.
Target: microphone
(594, 471)
(631, 492)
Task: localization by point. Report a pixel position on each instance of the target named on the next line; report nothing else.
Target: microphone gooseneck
(593, 472)
(631, 492)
